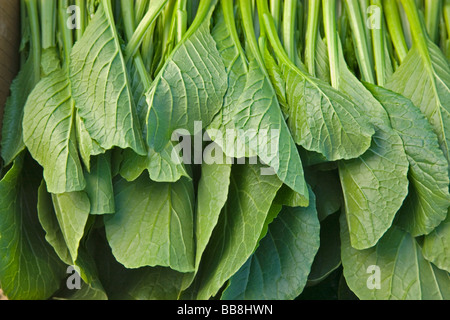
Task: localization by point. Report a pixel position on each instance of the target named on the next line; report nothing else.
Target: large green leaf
(189, 88)
(166, 166)
(428, 199)
(50, 224)
(153, 224)
(238, 229)
(375, 184)
(425, 80)
(252, 114)
(279, 268)
(99, 186)
(394, 269)
(49, 133)
(436, 245)
(323, 119)
(100, 85)
(212, 195)
(328, 258)
(72, 211)
(148, 283)
(29, 267)
(12, 133)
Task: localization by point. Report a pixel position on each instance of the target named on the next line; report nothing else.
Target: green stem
(33, 17)
(228, 13)
(289, 19)
(418, 30)
(66, 33)
(271, 32)
(395, 27)
(250, 36)
(360, 40)
(141, 7)
(329, 19)
(312, 28)
(48, 24)
(379, 48)
(275, 9)
(446, 9)
(81, 19)
(181, 19)
(130, 25)
(155, 8)
(432, 14)
(128, 14)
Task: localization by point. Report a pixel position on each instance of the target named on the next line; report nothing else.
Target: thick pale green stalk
(228, 13)
(155, 8)
(33, 15)
(81, 4)
(432, 14)
(48, 23)
(379, 47)
(289, 19)
(65, 32)
(275, 9)
(446, 9)
(271, 32)
(418, 29)
(141, 7)
(360, 40)
(130, 25)
(311, 36)
(250, 36)
(181, 19)
(128, 14)
(329, 19)
(395, 27)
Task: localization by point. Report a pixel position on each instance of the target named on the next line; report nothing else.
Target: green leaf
(279, 268)
(146, 283)
(328, 258)
(323, 119)
(72, 211)
(100, 85)
(425, 81)
(49, 134)
(436, 245)
(166, 166)
(288, 197)
(238, 229)
(375, 184)
(99, 187)
(155, 284)
(328, 191)
(252, 113)
(86, 146)
(428, 200)
(29, 267)
(12, 133)
(189, 88)
(212, 194)
(50, 224)
(404, 274)
(153, 224)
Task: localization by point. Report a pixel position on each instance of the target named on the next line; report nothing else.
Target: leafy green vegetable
(218, 149)
(161, 211)
(403, 271)
(280, 266)
(22, 242)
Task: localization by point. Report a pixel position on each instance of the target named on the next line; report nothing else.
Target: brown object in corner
(9, 48)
